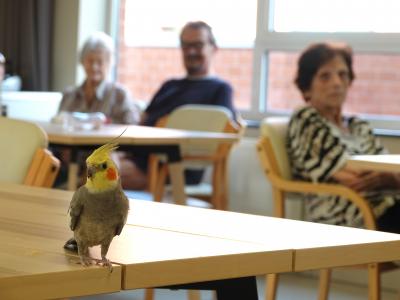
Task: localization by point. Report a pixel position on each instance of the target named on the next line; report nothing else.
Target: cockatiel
(99, 208)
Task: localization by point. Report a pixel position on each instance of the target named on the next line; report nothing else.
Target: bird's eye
(104, 166)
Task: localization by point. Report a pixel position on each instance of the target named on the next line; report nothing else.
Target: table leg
(178, 182)
(73, 170)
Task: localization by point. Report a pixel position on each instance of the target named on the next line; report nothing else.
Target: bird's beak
(90, 171)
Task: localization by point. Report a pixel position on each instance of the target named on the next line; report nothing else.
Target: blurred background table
(137, 139)
(381, 162)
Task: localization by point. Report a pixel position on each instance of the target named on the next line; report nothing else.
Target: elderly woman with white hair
(2, 67)
(97, 93)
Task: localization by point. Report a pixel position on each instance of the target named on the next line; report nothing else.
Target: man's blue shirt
(177, 92)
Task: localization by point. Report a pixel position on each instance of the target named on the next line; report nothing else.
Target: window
(335, 16)
(377, 82)
(157, 23)
(149, 35)
(260, 42)
(371, 28)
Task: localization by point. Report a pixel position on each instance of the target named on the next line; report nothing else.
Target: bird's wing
(124, 210)
(76, 207)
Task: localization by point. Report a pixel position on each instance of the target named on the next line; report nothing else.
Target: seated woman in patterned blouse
(320, 139)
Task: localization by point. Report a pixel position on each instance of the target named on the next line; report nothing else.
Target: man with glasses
(199, 86)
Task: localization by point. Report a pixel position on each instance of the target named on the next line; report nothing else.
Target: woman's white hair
(2, 59)
(97, 41)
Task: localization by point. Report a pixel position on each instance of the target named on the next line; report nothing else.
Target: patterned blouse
(317, 149)
(111, 99)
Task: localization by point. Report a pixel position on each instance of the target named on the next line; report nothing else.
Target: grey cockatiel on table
(99, 208)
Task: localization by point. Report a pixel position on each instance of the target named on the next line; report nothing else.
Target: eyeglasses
(193, 45)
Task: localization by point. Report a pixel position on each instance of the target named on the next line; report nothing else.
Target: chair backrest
(43, 169)
(274, 130)
(199, 117)
(19, 143)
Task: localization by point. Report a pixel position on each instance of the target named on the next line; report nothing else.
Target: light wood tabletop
(150, 257)
(381, 162)
(33, 264)
(315, 245)
(164, 244)
(135, 138)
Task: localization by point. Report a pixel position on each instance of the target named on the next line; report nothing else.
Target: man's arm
(224, 97)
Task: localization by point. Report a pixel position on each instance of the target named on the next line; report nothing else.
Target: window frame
(266, 41)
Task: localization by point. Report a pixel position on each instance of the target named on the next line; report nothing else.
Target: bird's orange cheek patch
(111, 174)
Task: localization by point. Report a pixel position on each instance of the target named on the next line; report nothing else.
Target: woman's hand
(362, 181)
(369, 181)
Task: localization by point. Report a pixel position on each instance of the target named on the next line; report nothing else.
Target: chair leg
(159, 185)
(217, 186)
(219, 197)
(225, 186)
(193, 295)
(374, 282)
(271, 286)
(152, 172)
(279, 202)
(324, 281)
(148, 294)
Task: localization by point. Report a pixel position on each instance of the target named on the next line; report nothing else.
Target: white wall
(65, 44)
(74, 21)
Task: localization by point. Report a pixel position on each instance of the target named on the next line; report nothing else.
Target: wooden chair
(271, 149)
(24, 158)
(203, 118)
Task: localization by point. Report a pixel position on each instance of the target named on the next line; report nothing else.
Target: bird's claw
(107, 263)
(86, 261)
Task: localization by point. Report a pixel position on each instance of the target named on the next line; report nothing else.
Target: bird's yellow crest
(102, 153)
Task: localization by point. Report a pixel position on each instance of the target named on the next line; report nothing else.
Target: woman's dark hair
(314, 57)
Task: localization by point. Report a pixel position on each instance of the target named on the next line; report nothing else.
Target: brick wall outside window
(376, 89)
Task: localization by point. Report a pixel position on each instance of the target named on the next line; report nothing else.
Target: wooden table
(170, 245)
(315, 246)
(382, 162)
(138, 139)
(33, 264)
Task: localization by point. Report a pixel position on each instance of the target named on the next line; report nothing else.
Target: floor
(292, 286)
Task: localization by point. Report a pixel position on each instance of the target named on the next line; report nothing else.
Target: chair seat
(202, 189)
